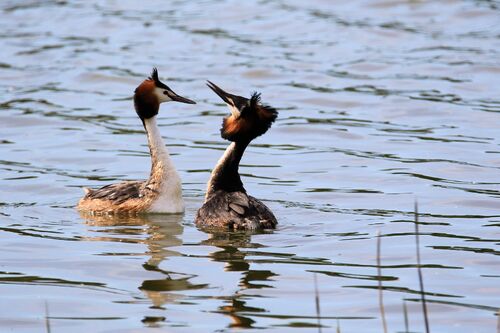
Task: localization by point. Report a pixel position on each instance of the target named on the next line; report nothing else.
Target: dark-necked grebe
(162, 192)
(227, 204)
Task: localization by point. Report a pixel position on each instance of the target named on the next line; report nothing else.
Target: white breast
(170, 198)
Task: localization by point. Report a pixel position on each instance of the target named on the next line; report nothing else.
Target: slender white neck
(160, 157)
(163, 180)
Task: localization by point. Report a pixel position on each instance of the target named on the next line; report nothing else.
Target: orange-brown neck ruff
(249, 124)
(225, 175)
(235, 128)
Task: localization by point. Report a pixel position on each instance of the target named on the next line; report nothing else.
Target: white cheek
(234, 111)
(161, 96)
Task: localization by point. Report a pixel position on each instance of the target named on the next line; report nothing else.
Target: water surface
(380, 102)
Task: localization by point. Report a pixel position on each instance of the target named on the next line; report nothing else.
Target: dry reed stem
(407, 322)
(420, 277)
(498, 321)
(380, 293)
(316, 299)
(47, 320)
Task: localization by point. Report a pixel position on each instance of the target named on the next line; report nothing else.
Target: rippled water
(380, 102)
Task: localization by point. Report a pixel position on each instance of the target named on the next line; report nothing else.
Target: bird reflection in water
(234, 247)
(160, 233)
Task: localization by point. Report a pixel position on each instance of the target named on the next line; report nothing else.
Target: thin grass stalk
(407, 322)
(47, 320)
(498, 321)
(316, 299)
(380, 292)
(420, 277)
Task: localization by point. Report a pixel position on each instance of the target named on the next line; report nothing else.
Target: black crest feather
(255, 99)
(154, 77)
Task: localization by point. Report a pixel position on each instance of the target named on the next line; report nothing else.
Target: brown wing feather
(267, 220)
(123, 198)
(235, 210)
(118, 193)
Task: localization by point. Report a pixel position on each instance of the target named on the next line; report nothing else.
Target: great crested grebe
(162, 192)
(227, 204)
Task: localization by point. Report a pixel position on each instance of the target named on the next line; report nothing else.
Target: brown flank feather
(132, 197)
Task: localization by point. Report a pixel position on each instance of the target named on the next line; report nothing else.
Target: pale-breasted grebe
(162, 192)
(227, 204)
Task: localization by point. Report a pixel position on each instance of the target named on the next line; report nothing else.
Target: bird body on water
(227, 204)
(162, 192)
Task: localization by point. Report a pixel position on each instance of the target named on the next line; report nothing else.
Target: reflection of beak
(226, 97)
(178, 98)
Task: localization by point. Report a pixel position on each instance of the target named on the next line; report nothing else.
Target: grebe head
(249, 118)
(150, 93)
